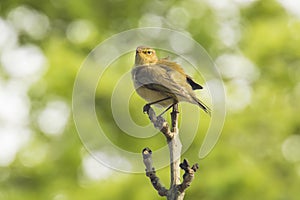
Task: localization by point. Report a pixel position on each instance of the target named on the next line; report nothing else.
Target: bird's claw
(146, 108)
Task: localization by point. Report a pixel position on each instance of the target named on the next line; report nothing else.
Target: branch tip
(188, 176)
(151, 173)
(146, 151)
(195, 167)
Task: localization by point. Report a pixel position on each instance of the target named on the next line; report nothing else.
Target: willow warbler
(163, 82)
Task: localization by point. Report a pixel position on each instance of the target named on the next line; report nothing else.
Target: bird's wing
(177, 67)
(164, 79)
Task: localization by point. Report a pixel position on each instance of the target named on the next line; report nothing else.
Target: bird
(163, 82)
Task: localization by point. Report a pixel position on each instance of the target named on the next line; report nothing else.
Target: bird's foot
(146, 108)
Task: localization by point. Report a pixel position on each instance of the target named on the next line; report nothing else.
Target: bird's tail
(203, 106)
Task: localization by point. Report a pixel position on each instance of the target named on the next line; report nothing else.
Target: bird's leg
(147, 106)
(168, 108)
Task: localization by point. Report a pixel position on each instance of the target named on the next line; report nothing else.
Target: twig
(159, 122)
(150, 172)
(177, 189)
(188, 176)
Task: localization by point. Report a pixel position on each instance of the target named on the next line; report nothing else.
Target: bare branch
(188, 176)
(159, 122)
(175, 146)
(150, 172)
(177, 189)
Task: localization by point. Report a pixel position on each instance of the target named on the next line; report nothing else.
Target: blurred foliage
(249, 160)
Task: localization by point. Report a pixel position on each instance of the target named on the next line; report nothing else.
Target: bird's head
(145, 55)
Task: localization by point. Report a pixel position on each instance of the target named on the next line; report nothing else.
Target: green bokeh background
(258, 154)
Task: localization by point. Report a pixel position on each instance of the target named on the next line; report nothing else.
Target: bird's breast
(152, 96)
